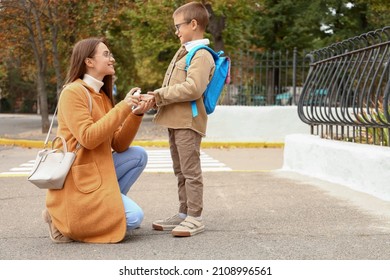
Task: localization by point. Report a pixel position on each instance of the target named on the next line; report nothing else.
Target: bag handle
(65, 148)
(78, 146)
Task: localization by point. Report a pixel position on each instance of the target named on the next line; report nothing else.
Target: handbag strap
(51, 126)
(78, 146)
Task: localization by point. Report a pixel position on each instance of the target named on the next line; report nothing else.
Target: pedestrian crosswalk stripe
(159, 161)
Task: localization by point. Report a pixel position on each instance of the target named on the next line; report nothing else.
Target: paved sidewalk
(248, 215)
(256, 211)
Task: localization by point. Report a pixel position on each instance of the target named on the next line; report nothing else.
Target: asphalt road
(249, 214)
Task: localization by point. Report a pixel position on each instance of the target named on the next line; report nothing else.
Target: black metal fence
(346, 93)
(261, 78)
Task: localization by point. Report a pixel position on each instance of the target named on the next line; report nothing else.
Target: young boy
(186, 129)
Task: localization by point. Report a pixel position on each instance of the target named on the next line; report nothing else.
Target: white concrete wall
(365, 168)
(254, 124)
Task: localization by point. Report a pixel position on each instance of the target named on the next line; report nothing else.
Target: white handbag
(52, 165)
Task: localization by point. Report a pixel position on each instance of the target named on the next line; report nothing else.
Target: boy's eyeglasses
(177, 26)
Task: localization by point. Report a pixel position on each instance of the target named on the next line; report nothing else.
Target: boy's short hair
(194, 10)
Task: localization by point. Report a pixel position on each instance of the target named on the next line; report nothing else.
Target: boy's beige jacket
(180, 87)
(89, 208)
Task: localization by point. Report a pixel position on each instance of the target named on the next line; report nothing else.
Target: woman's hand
(145, 104)
(131, 99)
(140, 104)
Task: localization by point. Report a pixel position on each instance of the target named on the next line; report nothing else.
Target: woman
(93, 206)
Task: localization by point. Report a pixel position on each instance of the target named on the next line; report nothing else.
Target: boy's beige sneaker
(168, 223)
(55, 235)
(189, 227)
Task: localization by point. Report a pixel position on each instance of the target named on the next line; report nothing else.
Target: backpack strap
(189, 57)
(192, 52)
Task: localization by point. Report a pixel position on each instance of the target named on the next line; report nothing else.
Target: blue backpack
(220, 78)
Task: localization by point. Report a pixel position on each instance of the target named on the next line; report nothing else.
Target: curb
(157, 144)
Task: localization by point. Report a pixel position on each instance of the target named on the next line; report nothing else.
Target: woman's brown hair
(77, 68)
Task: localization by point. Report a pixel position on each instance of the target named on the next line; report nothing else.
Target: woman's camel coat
(89, 208)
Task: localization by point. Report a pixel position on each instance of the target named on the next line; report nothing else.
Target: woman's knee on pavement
(134, 218)
(141, 154)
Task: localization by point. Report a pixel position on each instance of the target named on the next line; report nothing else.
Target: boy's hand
(152, 93)
(148, 97)
(145, 104)
(150, 101)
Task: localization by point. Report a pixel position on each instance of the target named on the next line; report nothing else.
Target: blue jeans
(129, 166)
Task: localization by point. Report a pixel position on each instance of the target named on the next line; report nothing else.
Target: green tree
(379, 12)
(32, 28)
(234, 21)
(38, 35)
(26, 17)
(341, 19)
(147, 28)
(286, 24)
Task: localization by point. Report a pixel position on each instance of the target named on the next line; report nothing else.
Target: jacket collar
(192, 44)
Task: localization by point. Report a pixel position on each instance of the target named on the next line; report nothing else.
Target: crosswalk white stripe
(157, 165)
(27, 164)
(158, 161)
(170, 161)
(169, 170)
(14, 173)
(16, 169)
